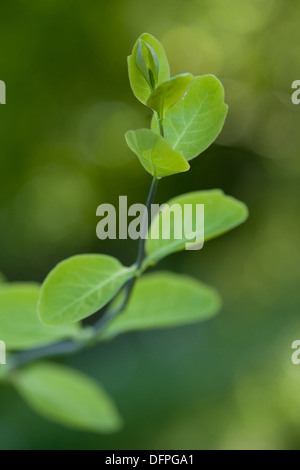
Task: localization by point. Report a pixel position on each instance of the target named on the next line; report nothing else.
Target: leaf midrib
(192, 120)
(91, 291)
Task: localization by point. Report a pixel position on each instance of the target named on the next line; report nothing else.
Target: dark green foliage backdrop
(228, 383)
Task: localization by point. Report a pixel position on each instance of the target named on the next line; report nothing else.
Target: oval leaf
(221, 213)
(138, 64)
(164, 300)
(155, 153)
(20, 326)
(67, 397)
(193, 123)
(169, 92)
(148, 63)
(79, 286)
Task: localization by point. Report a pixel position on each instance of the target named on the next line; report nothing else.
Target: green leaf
(147, 54)
(79, 286)
(67, 397)
(163, 300)
(20, 326)
(221, 213)
(169, 93)
(155, 153)
(192, 124)
(147, 62)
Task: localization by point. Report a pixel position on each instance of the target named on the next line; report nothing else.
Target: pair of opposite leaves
(190, 109)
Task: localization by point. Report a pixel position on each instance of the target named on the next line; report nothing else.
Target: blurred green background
(225, 384)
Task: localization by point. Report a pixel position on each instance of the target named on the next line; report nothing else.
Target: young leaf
(147, 62)
(221, 213)
(163, 300)
(79, 286)
(147, 55)
(67, 397)
(192, 124)
(155, 153)
(169, 92)
(20, 326)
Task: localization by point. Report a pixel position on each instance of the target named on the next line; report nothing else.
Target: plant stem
(100, 324)
(70, 346)
(65, 347)
(161, 128)
(145, 222)
(108, 317)
(160, 118)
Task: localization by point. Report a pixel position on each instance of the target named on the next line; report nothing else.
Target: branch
(70, 346)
